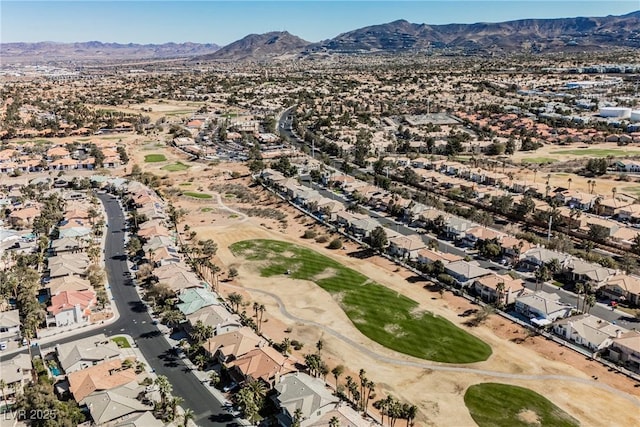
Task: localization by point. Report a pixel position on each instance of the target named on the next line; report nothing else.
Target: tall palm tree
(3, 384)
(319, 346)
(186, 416)
(579, 288)
(411, 413)
(173, 404)
(297, 417)
(589, 302)
(334, 422)
(337, 371)
(570, 180)
(164, 388)
(500, 290)
(261, 310)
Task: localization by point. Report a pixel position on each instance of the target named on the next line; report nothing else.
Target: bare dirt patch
(530, 417)
(439, 394)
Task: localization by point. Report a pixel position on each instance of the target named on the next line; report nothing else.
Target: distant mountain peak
(259, 47)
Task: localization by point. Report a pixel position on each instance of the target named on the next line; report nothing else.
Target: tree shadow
(415, 279)
(362, 254)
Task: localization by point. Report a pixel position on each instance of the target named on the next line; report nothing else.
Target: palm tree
(363, 380)
(500, 290)
(349, 385)
(214, 378)
(255, 309)
(297, 417)
(3, 384)
(186, 416)
(319, 346)
(236, 300)
(570, 180)
(337, 371)
(334, 422)
(261, 310)
(579, 288)
(258, 390)
(614, 190)
(590, 301)
(411, 413)
(164, 387)
(174, 403)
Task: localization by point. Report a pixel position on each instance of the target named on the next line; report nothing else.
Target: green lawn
(121, 341)
(206, 209)
(597, 152)
(496, 405)
(635, 189)
(381, 314)
(538, 160)
(154, 158)
(197, 195)
(176, 167)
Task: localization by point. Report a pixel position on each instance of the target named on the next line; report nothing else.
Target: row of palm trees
(167, 407)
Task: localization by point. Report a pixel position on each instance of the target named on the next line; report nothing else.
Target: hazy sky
(219, 22)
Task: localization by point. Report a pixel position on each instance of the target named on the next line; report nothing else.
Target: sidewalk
(52, 336)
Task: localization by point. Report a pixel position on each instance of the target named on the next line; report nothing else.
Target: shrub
(309, 234)
(322, 239)
(446, 279)
(297, 345)
(335, 244)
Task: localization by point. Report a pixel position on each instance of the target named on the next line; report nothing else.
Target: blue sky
(154, 21)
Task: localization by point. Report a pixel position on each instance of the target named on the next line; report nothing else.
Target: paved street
(600, 310)
(135, 321)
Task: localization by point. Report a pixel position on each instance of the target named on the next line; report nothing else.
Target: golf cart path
(434, 365)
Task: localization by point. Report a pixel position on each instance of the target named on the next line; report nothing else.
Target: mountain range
(526, 35)
(42, 52)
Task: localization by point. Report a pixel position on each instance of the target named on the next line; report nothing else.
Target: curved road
(135, 321)
(433, 365)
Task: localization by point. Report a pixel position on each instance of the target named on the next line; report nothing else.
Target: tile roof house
(234, 344)
(177, 277)
(346, 416)
(542, 308)
(478, 234)
(23, 217)
(15, 372)
(193, 299)
(308, 395)
(216, 316)
(583, 271)
(622, 287)
(406, 246)
(486, 287)
(513, 247)
(536, 257)
(463, 272)
(105, 376)
(71, 307)
(83, 353)
(587, 330)
(69, 244)
(9, 325)
(455, 227)
(264, 363)
(111, 406)
(67, 283)
(626, 348)
(427, 256)
(143, 419)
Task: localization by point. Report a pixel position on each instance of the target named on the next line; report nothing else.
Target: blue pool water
(55, 370)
